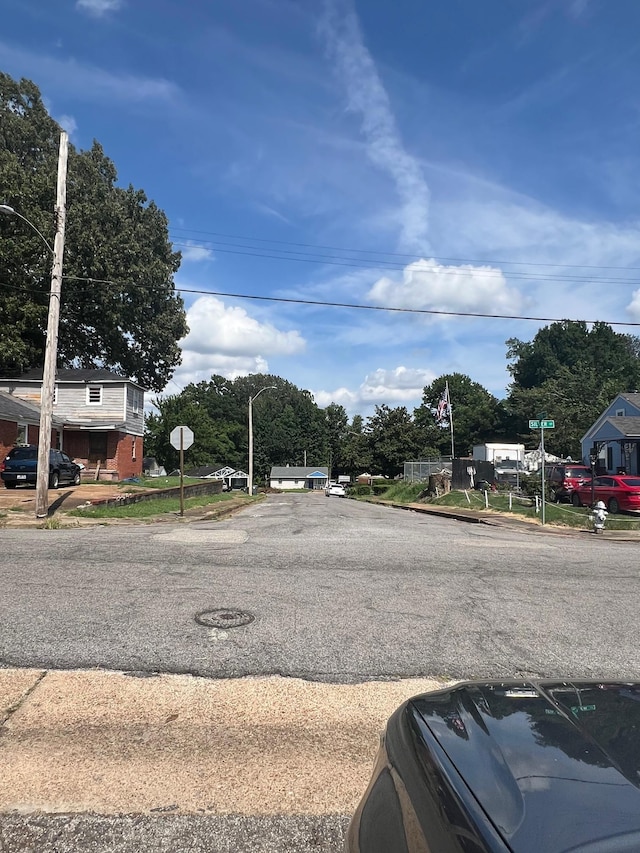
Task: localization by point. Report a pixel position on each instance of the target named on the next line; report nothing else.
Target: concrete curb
(497, 519)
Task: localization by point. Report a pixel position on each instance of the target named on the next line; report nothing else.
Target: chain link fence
(420, 471)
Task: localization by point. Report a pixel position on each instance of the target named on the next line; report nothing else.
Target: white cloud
(199, 367)
(429, 285)
(193, 253)
(68, 123)
(98, 7)
(633, 308)
(400, 386)
(367, 96)
(219, 330)
(83, 80)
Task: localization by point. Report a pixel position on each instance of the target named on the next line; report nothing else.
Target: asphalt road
(340, 591)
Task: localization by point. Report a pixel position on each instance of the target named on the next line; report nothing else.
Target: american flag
(442, 411)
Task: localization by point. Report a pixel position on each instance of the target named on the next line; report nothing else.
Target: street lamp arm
(5, 208)
(266, 388)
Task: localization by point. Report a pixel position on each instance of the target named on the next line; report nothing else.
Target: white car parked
(336, 489)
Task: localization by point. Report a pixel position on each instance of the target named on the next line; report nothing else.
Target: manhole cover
(224, 617)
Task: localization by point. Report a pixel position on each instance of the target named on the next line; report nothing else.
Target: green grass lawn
(557, 514)
(158, 483)
(159, 506)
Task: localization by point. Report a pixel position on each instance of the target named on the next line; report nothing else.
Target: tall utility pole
(51, 347)
(251, 399)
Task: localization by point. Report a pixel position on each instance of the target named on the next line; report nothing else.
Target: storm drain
(224, 617)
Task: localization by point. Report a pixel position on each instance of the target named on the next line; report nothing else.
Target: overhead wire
(489, 270)
(362, 307)
(398, 254)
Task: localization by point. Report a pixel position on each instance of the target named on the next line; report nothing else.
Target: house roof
(593, 433)
(616, 428)
(72, 374)
(12, 408)
(291, 472)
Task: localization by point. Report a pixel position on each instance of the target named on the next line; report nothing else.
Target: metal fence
(417, 472)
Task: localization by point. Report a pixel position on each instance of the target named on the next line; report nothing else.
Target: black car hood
(554, 765)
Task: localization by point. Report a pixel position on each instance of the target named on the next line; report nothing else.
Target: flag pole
(450, 419)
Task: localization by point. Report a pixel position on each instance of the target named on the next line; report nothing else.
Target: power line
(397, 254)
(330, 304)
(364, 263)
(361, 307)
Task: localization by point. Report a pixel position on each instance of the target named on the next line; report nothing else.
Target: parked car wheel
(575, 499)
(10, 485)
(76, 479)
(614, 506)
(54, 480)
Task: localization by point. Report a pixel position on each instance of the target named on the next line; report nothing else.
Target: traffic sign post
(542, 425)
(181, 438)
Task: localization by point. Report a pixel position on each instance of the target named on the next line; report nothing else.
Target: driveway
(67, 497)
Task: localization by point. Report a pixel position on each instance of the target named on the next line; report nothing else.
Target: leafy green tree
(570, 373)
(571, 344)
(213, 439)
(287, 424)
(478, 416)
(355, 453)
(113, 234)
(336, 422)
(393, 439)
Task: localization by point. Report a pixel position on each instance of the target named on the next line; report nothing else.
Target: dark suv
(564, 478)
(20, 467)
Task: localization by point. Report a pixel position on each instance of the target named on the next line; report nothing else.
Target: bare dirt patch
(23, 499)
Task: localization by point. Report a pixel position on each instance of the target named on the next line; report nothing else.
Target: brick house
(99, 417)
(20, 424)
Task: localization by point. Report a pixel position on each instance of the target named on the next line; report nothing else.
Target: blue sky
(454, 156)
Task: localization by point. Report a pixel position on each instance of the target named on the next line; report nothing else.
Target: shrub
(360, 489)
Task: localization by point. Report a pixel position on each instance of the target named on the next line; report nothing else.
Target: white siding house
(291, 477)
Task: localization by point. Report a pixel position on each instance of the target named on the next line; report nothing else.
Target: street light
(53, 320)
(9, 211)
(251, 399)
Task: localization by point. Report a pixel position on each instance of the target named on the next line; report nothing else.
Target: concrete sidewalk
(109, 743)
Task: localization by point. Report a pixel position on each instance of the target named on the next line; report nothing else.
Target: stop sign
(181, 432)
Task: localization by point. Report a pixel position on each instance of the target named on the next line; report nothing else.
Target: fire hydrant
(598, 516)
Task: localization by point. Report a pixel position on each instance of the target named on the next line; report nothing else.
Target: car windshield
(578, 473)
(22, 453)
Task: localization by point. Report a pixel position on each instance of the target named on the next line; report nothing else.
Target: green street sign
(547, 424)
(534, 424)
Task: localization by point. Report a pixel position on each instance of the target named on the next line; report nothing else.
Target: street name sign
(542, 424)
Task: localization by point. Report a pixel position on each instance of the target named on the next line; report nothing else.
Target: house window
(619, 413)
(609, 458)
(94, 395)
(133, 450)
(136, 403)
(21, 438)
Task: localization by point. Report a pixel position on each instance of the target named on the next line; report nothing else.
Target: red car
(617, 491)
